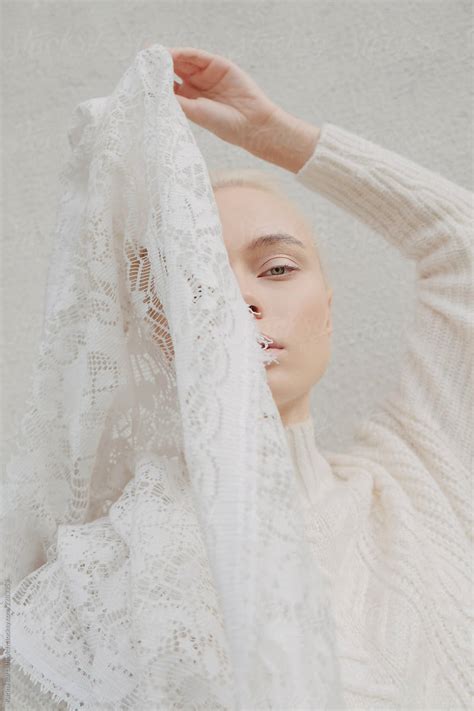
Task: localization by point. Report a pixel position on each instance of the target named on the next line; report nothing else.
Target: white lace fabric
(155, 555)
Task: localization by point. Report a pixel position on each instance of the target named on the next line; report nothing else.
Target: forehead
(254, 220)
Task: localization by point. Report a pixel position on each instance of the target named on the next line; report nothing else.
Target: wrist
(286, 141)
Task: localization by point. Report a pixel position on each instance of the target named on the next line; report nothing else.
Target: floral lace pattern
(154, 542)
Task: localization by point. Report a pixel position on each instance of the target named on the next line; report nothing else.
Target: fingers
(186, 90)
(199, 70)
(185, 69)
(191, 56)
(188, 57)
(188, 62)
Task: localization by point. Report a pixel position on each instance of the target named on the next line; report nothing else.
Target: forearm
(411, 206)
(286, 141)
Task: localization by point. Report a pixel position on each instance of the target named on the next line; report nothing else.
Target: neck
(312, 470)
(295, 411)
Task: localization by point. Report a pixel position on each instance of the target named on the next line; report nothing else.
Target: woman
(389, 520)
(126, 610)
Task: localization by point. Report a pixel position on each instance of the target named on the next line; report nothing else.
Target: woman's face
(293, 300)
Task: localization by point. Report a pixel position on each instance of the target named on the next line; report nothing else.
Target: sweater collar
(312, 470)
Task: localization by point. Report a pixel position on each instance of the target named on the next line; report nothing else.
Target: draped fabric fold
(154, 553)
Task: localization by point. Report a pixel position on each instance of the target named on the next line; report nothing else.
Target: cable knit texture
(390, 520)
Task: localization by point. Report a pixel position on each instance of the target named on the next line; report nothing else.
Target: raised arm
(429, 219)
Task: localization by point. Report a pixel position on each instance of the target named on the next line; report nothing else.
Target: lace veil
(154, 553)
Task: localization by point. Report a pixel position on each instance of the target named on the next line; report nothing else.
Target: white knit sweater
(390, 520)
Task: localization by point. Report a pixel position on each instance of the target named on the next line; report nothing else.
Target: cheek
(309, 325)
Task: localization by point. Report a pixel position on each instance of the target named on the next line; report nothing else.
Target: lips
(273, 344)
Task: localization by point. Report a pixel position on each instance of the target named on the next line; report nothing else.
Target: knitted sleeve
(429, 219)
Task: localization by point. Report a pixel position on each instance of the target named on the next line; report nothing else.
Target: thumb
(191, 109)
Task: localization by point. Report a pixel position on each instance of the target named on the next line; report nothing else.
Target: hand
(220, 96)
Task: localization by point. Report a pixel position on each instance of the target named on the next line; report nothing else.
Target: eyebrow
(274, 238)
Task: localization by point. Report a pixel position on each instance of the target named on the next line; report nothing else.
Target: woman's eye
(280, 267)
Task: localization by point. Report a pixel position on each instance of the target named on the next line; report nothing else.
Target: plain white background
(397, 72)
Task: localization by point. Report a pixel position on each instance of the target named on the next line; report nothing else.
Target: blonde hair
(263, 180)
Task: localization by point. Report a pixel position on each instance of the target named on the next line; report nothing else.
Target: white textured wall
(396, 72)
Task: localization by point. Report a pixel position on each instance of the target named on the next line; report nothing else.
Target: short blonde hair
(263, 180)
